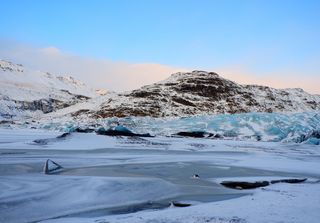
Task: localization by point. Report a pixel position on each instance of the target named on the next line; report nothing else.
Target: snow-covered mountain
(201, 92)
(25, 92)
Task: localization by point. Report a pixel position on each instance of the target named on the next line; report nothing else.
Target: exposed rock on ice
(51, 167)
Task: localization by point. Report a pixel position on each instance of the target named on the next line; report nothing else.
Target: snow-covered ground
(124, 179)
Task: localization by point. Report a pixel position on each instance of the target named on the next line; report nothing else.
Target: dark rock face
(80, 112)
(201, 92)
(6, 122)
(49, 105)
(44, 105)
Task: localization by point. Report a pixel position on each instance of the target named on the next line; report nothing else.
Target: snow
(112, 179)
(19, 85)
(202, 93)
(131, 179)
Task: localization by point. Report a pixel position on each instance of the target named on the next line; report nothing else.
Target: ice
(124, 179)
(270, 127)
(35, 197)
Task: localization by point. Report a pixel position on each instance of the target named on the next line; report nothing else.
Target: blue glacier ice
(273, 127)
(288, 127)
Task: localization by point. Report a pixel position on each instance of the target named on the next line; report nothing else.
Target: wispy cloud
(99, 73)
(284, 78)
(122, 76)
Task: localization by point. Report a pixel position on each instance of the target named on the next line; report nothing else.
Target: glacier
(268, 127)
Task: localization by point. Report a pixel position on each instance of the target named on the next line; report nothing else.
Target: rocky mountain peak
(193, 74)
(201, 92)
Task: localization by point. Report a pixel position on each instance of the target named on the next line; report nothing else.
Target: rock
(218, 136)
(51, 166)
(201, 92)
(64, 135)
(178, 204)
(315, 134)
(41, 141)
(86, 130)
(6, 122)
(195, 176)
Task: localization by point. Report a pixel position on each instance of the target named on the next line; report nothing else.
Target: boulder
(51, 167)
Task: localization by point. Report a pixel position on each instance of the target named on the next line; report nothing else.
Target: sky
(124, 44)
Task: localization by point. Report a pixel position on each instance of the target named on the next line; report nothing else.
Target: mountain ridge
(25, 92)
(201, 92)
(182, 94)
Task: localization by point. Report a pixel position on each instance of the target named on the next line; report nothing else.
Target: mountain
(25, 92)
(28, 93)
(200, 92)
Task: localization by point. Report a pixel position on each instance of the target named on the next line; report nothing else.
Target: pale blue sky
(269, 36)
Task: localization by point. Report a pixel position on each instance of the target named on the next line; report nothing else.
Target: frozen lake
(113, 179)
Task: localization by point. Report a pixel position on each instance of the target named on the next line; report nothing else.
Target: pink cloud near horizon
(123, 76)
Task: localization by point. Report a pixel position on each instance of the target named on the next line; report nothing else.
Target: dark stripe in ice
(240, 185)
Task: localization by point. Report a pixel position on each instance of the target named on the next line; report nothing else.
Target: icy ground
(124, 179)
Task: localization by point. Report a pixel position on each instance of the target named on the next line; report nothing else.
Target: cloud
(51, 50)
(123, 76)
(98, 73)
(284, 78)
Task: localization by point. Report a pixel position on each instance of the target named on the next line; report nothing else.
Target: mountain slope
(28, 93)
(25, 92)
(201, 92)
